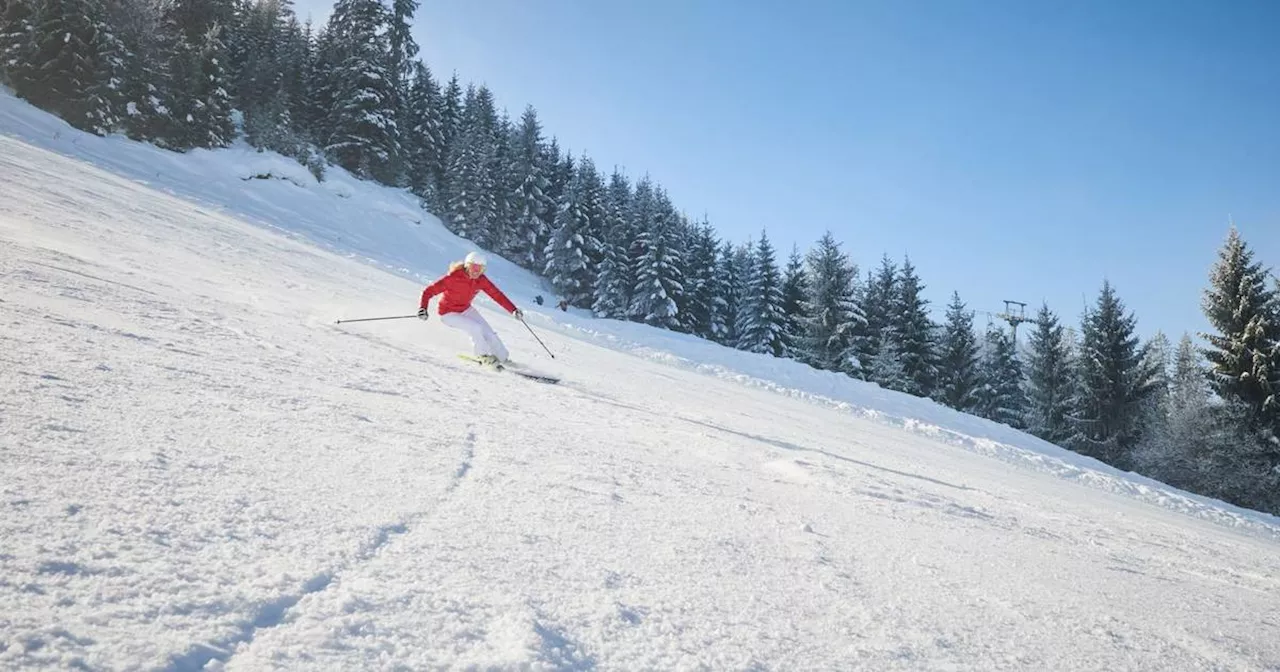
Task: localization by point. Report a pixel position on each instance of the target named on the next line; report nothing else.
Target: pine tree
(1000, 396)
(364, 134)
(18, 46)
(451, 110)
(574, 240)
(885, 368)
(1114, 383)
(1050, 381)
(76, 64)
(916, 333)
(1246, 317)
(959, 373)
(659, 283)
(831, 316)
(879, 303)
(613, 278)
(641, 218)
(530, 203)
(144, 74)
(1244, 371)
(763, 325)
(795, 289)
(731, 289)
(702, 284)
(424, 142)
(1177, 455)
(201, 99)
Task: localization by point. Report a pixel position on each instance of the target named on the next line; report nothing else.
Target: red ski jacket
(458, 290)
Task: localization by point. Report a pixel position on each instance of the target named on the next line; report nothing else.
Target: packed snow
(200, 469)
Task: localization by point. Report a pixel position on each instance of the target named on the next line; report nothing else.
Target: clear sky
(1015, 150)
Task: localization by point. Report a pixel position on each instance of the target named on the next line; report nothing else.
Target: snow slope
(199, 468)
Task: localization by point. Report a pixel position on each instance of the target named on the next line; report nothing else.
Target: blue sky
(1015, 150)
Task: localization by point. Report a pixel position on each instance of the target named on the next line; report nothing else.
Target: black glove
(423, 314)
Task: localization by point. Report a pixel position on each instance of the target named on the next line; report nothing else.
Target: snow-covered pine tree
(1115, 381)
(268, 53)
(659, 283)
(1177, 451)
(886, 366)
(879, 303)
(574, 239)
(75, 64)
(1000, 396)
(730, 281)
(959, 370)
(613, 276)
(201, 98)
(530, 203)
(916, 333)
(702, 283)
(144, 74)
(18, 46)
(795, 291)
(424, 142)
(640, 217)
(364, 133)
(451, 111)
(763, 323)
(1244, 371)
(1051, 385)
(1244, 314)
(831, 316)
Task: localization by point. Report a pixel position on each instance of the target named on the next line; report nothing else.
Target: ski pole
(371, 319)
(535, 336)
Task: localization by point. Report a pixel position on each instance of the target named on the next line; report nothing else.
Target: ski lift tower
(1014, 317)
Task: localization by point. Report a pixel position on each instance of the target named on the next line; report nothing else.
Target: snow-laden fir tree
(959, 370)
(613, 277)
(885, 368)
(795, 291)
(659, 283)
(575, 239)
(915, 332)
(560, 171)
(18, 46)
(530, 203)
(641, 218)
(200, 97)
(1244, 314)
(703, 291)
(451, 110)
(832, 316)
(879, 306)
(1176, 451)
(1051, 383)
(144, 74)
(762, 323)
(1115, 381)
(731, 272)
(424, 142)
(75, 64)
(1000, 396)
(1244, 371)
(268, 71)
(364, 131)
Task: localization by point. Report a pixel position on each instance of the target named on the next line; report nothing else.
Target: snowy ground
(198, 467)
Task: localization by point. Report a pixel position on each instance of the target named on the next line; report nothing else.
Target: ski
(541, 378)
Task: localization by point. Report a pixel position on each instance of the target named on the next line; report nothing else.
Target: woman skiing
(458, 288)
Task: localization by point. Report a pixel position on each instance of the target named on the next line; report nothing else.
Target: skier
(457, 288)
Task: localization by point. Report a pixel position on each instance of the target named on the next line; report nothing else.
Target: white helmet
(476, 259)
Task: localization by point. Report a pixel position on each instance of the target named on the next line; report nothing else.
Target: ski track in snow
(199, 470)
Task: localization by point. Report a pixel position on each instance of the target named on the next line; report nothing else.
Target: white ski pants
(484, 341)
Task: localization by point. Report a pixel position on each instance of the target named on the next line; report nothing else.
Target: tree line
(185, 74)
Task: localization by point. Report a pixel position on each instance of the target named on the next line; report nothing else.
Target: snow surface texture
(198, 468)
